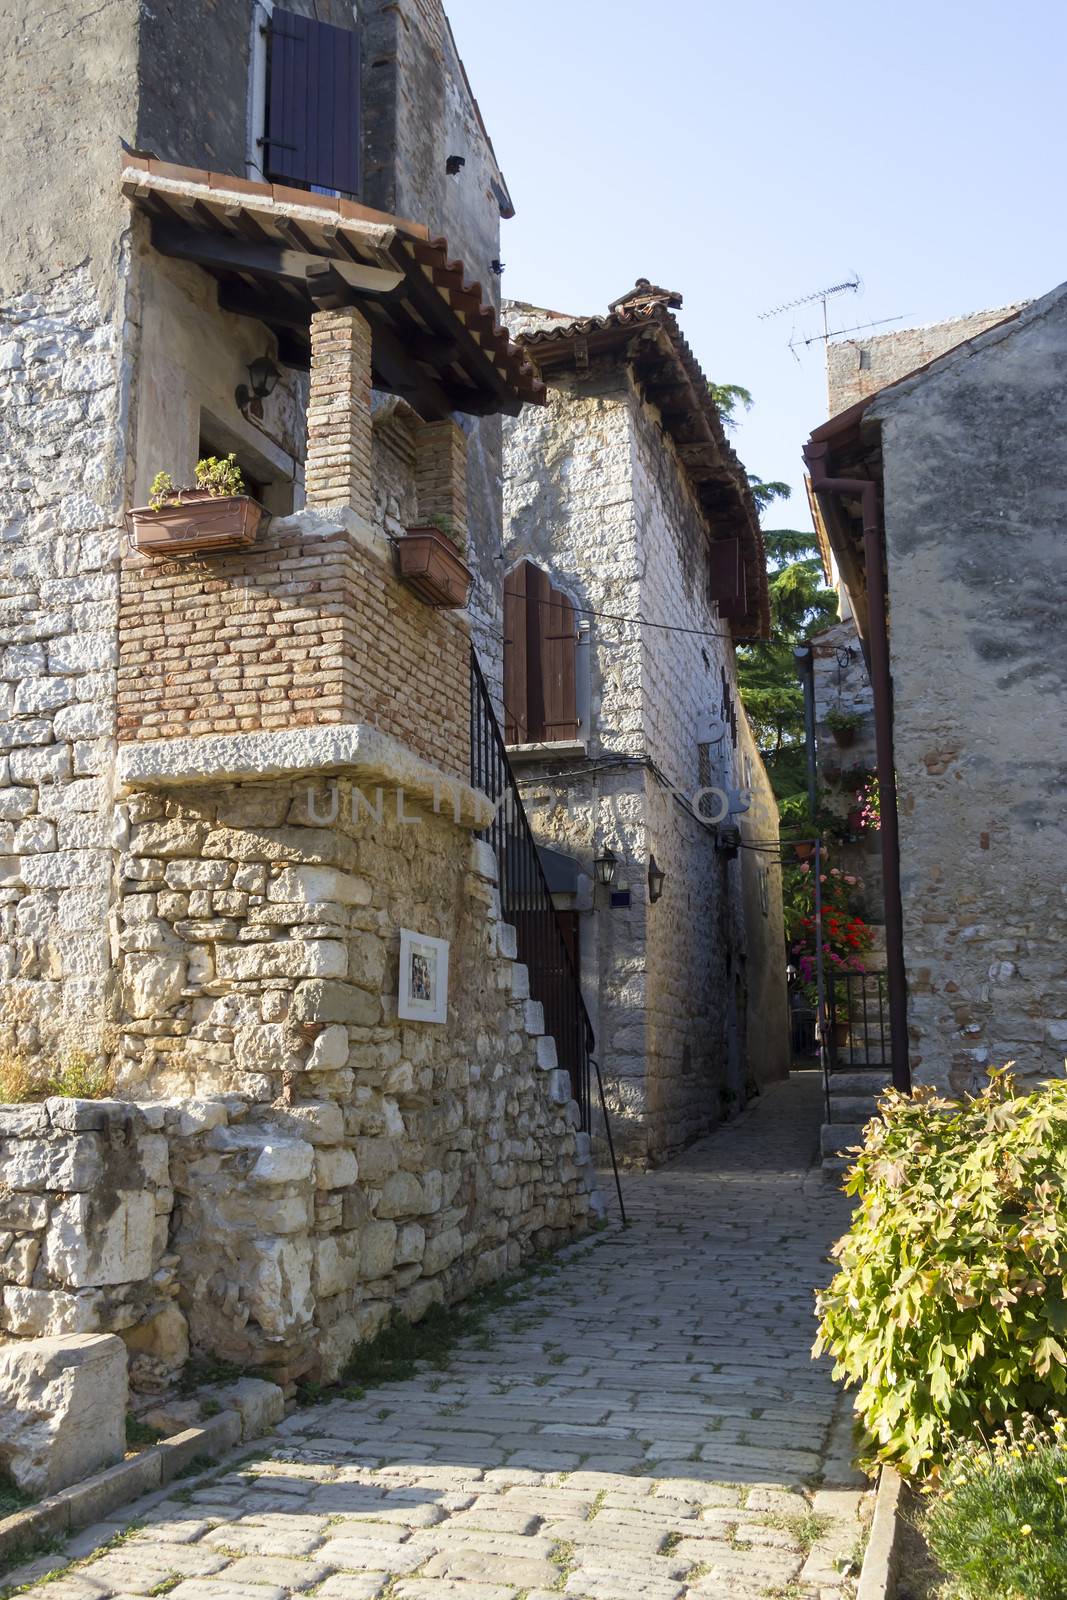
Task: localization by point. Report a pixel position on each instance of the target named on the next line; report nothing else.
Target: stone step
(859, 1083)
(837, 1137)
(834, 1168)
(849, 1108)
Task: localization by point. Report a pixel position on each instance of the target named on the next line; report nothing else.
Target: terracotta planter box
(196, 525)
(430, 564)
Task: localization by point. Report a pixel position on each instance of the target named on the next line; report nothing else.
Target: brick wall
(310, 625)
(307, 627)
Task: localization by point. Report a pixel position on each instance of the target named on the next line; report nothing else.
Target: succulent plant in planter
(217, 513)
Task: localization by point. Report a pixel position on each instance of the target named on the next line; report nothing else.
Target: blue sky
(749, 154)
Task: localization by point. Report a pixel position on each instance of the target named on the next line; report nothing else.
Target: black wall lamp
(656, 879)
(262, 378)
(606, 865)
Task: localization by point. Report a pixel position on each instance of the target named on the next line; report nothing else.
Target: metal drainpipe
(881, 683)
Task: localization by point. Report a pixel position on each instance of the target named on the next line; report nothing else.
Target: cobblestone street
(645, 1422)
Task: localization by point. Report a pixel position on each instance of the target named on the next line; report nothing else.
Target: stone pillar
(338, 471)
(441, 477)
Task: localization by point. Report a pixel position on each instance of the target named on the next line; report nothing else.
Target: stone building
(623, 500)
(953, 478)
(232, 776)
(855, 370)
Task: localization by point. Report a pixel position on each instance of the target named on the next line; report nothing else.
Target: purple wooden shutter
(313, 105)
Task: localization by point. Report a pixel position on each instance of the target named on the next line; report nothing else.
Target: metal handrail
(526, 903)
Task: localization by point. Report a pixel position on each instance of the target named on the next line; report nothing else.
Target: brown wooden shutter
(313, 134)
(540, 640)
(558, 644)
(515, 718)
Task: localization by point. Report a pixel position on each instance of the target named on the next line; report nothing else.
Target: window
(312, 138)
(540, 677)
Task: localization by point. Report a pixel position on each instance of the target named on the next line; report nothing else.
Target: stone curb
(88, 1502)
(878, 1576)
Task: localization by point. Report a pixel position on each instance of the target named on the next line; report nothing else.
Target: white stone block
(441, 1251)
(283, 1161)
(507, 941)
(329, 1053)
(100, 1239)
(279, 1293)
(62, 1409)
(287, 958)
(402, 1196)
(72, 1165)
(335, 1167)
(319, 886)
(378, 1249)
(483, 860)
(198, 1116)
(547, 1058)
(152, 984)
(260, 1404)
(533, 1016)
(559, 1087)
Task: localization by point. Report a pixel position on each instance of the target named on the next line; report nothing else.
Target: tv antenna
(837, 333)
(850, 285)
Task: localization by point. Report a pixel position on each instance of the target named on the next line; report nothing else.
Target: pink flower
(851, 878)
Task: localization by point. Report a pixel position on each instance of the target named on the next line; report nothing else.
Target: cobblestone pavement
(645, 1423)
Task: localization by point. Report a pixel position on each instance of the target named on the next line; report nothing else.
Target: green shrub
(998, 1529)
(948, 1309)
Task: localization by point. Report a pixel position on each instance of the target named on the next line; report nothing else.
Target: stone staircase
(853, 1102)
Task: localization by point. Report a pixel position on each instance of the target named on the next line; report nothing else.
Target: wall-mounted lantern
(656, 879)
(606, 865)
(262, 378)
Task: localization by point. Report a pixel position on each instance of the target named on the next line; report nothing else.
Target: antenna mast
(851, 285)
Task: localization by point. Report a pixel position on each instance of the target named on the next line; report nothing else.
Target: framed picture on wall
(423, 977)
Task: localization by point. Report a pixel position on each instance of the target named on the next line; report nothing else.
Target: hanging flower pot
(843, 725)
(855, 821)
(430, 565)
(215, 515)
(803, 850)
(198, 522)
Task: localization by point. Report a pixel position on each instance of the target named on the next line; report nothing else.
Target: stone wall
(975, 462)
(62, 393)
(85, 1206)
(595, 494)
(303, 1163)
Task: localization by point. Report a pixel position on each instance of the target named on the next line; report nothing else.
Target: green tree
(801, 605)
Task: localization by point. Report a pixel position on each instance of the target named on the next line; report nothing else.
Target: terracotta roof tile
(709, 460)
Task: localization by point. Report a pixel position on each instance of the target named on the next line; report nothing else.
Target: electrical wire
(637, 622)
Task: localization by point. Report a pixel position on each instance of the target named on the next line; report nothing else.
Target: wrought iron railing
(857, 1015)
(526, 900)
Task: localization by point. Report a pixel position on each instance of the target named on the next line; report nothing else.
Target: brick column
(338, 470)
(441, 476)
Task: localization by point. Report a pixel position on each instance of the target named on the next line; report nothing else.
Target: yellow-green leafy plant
(76, 1076)
(997, 1526)
(215, 475)
(948, 1308)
